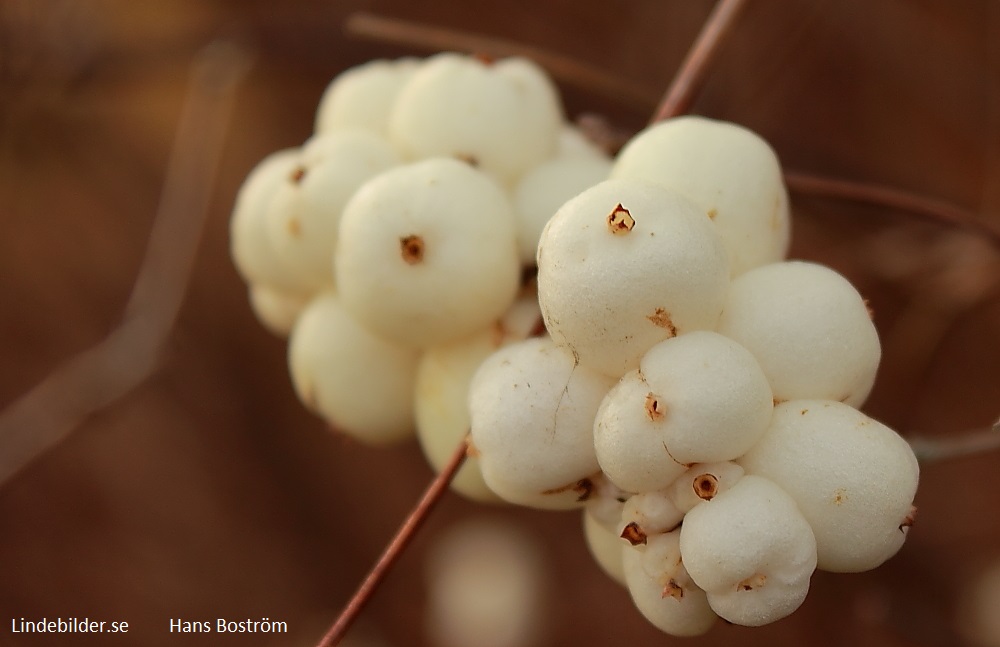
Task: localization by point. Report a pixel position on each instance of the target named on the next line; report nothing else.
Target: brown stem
(105, 372)
(884, 196)
(694, 70)
(438, 39)
(396, 546)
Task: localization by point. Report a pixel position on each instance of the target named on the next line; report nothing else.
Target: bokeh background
(209, 492)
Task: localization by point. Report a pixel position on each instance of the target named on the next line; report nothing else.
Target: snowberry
(304, 214)
(250, 240)
(502, 116)
(363, 96)
(532, 410)
(751, 550)
(361, 384)
(662, 589)
(542, 190)
(427, 253)
(809, 329)
(605, 546)
(276, 310)
(853, 478)
(442, 391)
(624, 265)
(695, 398)
(730, 172)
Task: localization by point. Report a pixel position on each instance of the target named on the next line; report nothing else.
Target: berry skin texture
(696, 398)
(276, 310)
(809, 329)
(363, 97)
(532, 410)
(663, 590)
(751, 550)
(610, 296)
(359, 383)
(427, 253)
(730, 172)
(502, 116)
(852, 477)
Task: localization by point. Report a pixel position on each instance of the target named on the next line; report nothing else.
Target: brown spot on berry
(294, 227)
(633, 534)
(706, 486)
(620, 221)
(673, 590)
(584, 488)
(484, 58)
(654, 408)
(661, 318)
(471, 160)
(712, 213)
(803, 412)
(752, 582)
(909, 519)
(298, 174)
(777, 401)
(840, 496)
(412, 249)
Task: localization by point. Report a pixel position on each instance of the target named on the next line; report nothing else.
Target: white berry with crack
(696, 398)
(533, 408)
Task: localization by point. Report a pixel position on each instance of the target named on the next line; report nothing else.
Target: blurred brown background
(209, 492)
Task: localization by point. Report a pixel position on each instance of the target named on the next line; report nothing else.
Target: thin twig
(892, 198)
(969, 443)
(693, 72)
(439, 39)
(100, 375)
(396, 546)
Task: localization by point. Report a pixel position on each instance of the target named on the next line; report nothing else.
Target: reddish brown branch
(694, 70)
(439, 39)
(396, 546)
(889, 197)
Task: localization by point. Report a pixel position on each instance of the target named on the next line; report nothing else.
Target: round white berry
(624, 265)
(809, 329)
(361, 384)
(532, 410)
(304, 215)
(728, 171)
(502, 116)
(363, 96)
(695, 398)
(427, 253)
(853, 478)
(442, 392)
(751, 550)
(662, 589)
(250, 241)
(605, 546)
(276, 310)
(542, 190)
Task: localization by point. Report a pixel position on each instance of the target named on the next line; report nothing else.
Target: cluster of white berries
(692, 390)
(391, 246)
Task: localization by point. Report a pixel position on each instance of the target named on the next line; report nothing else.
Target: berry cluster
(692, 390)
(697, 393)
(391, 246)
